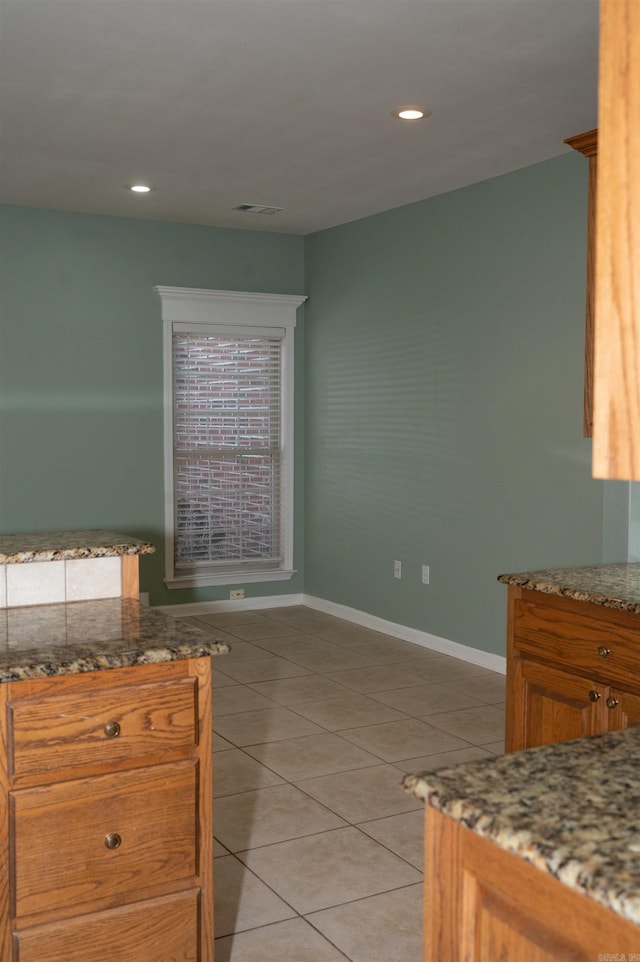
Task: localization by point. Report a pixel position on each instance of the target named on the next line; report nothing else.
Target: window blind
(227, 449)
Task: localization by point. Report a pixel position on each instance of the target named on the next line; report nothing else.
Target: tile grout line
(298, 785)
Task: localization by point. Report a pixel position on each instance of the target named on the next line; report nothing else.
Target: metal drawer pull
(112, 729)
(112, 840)
(603, 651)
(594, 695)
(611, 702)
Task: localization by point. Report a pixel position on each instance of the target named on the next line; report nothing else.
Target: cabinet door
(483, 904)
(556, 706)
(616, 440)
(623, 709)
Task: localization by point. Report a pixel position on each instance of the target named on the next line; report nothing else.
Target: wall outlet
(397, 569)
(236, 594)
(425, 574)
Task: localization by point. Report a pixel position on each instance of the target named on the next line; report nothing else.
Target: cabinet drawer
(107, 726)
(60, 855)
(160, 930)
(599, 647)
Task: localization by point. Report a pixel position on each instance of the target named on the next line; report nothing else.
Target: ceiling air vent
(257, 209)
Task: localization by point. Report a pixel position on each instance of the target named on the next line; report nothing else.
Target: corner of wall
(616, 522)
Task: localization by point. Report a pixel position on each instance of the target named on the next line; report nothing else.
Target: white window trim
(239, 310)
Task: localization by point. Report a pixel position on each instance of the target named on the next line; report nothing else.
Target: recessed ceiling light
(140, 188)
(410, 113)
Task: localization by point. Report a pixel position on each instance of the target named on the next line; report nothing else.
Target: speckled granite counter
(65, 639)
(570, 809)
(611, 586)
(68, 545)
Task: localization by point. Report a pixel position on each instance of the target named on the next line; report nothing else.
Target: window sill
(230, 578)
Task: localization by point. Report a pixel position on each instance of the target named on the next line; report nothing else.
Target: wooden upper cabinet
(616, 425)
(587, 144)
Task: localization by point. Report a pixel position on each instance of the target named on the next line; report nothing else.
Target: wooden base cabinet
(106, 841)
(483, 903)
(573, 669)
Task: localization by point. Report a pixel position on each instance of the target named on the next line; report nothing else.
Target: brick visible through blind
(227, 449)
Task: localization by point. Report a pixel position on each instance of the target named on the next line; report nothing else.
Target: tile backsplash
(41, 583)
(50, 582)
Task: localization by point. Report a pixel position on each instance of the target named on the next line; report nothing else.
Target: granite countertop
(571, 809)
(68, 545)
(611, 586)
(41, 641)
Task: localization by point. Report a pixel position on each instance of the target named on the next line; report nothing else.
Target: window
(228, 436)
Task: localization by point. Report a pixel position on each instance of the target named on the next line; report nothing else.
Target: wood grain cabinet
(483, 903)
(106, 809)
(573, 669)
(616, 422)
(587, 145)
(612, 357)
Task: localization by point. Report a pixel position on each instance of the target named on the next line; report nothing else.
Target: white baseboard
(474, 656)
(243, 604)
(465, 653)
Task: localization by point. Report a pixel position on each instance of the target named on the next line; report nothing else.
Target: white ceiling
(283, 102)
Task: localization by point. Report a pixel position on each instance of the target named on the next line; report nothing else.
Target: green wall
(438, 379)
(81, 425)
(634, 521)
(443, 372)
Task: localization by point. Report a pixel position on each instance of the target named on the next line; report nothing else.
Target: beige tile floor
(318, 849)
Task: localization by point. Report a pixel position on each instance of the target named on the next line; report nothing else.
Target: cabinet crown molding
(586, 143)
